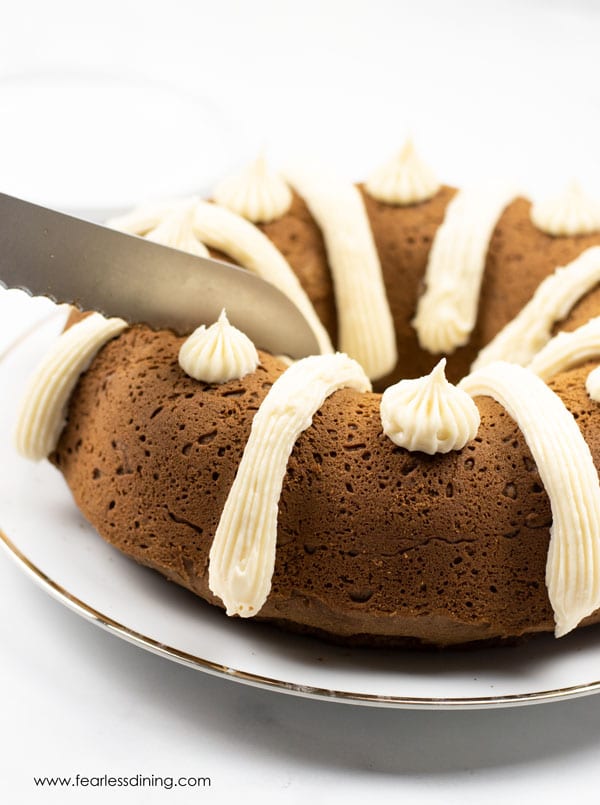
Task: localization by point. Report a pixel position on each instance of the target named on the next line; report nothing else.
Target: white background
(105, 103)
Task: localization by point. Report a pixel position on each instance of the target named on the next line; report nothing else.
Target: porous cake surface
(374, 544)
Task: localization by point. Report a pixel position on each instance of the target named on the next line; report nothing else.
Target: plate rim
(118, 629)
(114, 627)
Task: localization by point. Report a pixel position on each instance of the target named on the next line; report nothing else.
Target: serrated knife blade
(49, 253)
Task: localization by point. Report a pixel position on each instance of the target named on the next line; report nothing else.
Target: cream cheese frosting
(429, 414)
(531, 329)
(218, 353)
(568, 349)
(176, 230)
(257, 193)
(222, 229)
(145, 217)
(592, 384)
(285, 359)
(404, 179)
(572, 213)
(242, 556)
(43, 410)
(447, 310)
(567, 470)
(366, 327)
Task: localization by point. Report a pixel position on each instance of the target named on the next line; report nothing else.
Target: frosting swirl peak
(177, 229)
(429, 414)
(218, 353)
(572, 213)
(404, 179)
(257, 193)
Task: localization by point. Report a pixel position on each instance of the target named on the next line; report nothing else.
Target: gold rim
(268, 683)
(256, 680)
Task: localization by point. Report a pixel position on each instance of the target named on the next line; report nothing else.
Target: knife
(48, 253)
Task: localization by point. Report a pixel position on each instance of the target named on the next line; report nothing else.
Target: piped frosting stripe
(366, 327)
(531, 329)
(42, 414)
(142, 220)
(568, 349)
(447, 310)
(222, 229)
(570, 478)
(242, 556)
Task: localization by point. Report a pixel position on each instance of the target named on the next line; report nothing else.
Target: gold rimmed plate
(43, 531)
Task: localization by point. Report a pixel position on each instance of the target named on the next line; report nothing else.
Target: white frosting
(218, 353)
(592, 384)
(177, 230)
(43, 410)
(222, 229)
(285, 359)
(146, 217)
(366, 327)
(527, 333)
(257, 193)
(447, 310)
(404, 179)
(568, 349)
(429, 414)
(572, 213)
(570, 478)
(242, 556)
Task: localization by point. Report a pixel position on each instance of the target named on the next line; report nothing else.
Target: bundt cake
(429, 514)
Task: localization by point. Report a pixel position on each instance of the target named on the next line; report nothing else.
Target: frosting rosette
(218, 353)
(571, 213)
(177, 230)
(429, 414)
(404, 179)
(257, 193)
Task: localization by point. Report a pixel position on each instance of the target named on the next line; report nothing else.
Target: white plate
(47, 536)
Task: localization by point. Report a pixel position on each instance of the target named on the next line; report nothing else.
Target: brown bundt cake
(376, 543)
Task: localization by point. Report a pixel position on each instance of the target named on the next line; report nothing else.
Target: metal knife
(48, 253)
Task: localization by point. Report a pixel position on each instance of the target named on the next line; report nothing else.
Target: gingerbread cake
(418, 513)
